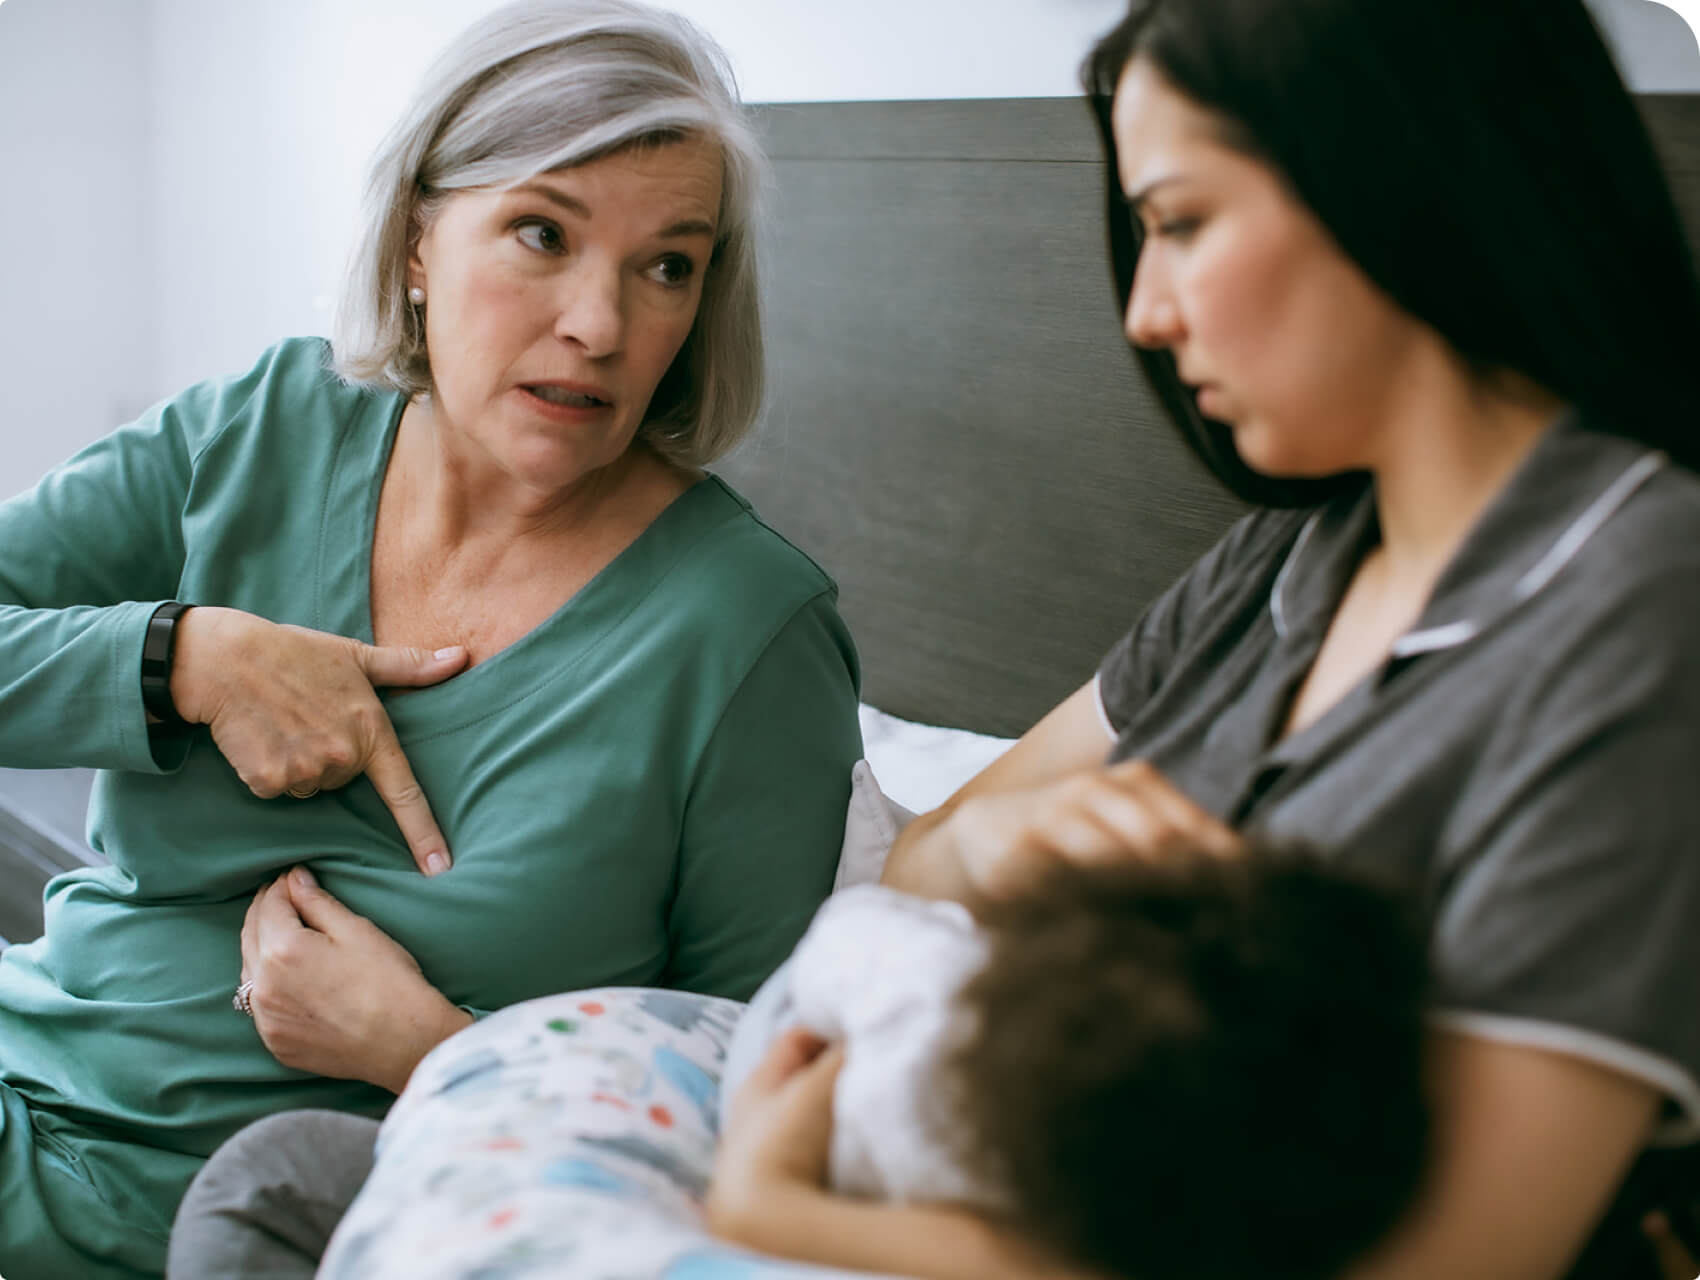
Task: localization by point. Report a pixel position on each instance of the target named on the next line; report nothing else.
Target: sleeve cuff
(1098, 706)
(1679, 1123)
(141, 750)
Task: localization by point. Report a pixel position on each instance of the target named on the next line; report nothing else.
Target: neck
(455, 496)
(1451, 444)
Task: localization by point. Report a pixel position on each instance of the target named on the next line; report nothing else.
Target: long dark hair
(1480, 161)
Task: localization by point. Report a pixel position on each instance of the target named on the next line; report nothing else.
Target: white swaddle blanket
(879, 970)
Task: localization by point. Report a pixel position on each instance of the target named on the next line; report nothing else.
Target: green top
(647, 789)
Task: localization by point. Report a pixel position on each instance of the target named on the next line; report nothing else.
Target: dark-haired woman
(1409, 277)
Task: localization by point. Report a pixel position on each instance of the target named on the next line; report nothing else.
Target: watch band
(159, 644)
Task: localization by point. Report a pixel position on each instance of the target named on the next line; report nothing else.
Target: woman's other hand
(777, 1132)
(1004, 841)
(1049, 796)
(295, 710)
(335, 995)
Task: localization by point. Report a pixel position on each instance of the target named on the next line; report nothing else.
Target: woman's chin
(1278, 456)
(1264, 451)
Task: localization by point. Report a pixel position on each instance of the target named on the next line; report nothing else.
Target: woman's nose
(1152, 318)
(592, 312)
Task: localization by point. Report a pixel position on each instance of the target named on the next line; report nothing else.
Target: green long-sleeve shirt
(647, 789)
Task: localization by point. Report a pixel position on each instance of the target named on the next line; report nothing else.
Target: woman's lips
(568, 402)
(570, 395)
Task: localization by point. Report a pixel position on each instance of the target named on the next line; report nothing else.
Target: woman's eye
(1176, 228)
(545, 237)
(675, 271)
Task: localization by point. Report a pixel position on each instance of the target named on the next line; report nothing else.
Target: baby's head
(1199, 1068)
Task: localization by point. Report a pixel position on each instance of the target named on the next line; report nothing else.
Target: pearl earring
(416, 296)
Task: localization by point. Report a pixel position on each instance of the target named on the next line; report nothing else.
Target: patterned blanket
(570, 1136)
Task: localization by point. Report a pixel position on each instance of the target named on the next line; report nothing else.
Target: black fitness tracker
(158, 647)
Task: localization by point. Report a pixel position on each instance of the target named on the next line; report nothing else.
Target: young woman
(1408, 276)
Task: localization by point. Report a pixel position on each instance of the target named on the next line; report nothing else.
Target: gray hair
(542, 85)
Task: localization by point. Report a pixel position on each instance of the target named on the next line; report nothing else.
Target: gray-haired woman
(627, 756)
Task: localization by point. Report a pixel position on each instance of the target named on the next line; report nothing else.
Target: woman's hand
(778, 1130)
(295, 710)
(335, 995)
(1004, 841)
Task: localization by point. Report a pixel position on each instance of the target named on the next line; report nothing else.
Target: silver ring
(303, 793)
(243, 1000)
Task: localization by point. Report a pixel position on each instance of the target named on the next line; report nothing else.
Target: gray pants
(266, 1203)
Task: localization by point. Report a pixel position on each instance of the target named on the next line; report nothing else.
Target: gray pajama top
(1526, 761)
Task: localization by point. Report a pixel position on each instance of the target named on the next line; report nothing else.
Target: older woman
(1409, 276)
(627, 757)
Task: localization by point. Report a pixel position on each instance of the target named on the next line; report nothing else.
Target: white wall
(278, 124)
(181, 175)
(1655, 42)
(74, 233)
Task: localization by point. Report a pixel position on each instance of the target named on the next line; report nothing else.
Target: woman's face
(553, 309)
(1277, 332)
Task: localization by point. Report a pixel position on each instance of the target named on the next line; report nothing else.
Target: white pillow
(922, 764)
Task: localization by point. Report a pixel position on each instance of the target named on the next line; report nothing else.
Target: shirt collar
(1559, 496)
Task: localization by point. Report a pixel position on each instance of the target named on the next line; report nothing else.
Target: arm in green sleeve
(765, 819)
(84, 558)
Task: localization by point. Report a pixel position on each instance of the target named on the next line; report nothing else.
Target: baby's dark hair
(1199, 1067)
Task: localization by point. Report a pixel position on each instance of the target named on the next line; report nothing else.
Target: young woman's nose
(1152, 319)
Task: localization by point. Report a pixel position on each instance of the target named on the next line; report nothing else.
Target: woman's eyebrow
(577, 207)
(688, 227)
(1137, 198)
(572, 204)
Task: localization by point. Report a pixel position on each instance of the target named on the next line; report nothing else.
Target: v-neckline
(356, 485)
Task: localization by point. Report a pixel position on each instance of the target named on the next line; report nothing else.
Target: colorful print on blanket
(567, 1136)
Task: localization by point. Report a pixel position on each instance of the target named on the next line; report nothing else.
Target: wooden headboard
(956, 429)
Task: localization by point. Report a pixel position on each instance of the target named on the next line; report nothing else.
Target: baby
(1201, 1068)
(1197, 1068)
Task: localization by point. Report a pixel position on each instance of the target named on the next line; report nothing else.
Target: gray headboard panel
(1674, 119)
(956, 429)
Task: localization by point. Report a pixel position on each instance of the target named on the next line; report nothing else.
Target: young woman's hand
(294, 711)
(778, 1130)
(1003, 841)
(335, 995)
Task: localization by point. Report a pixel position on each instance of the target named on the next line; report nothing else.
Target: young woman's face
(553, 309)
(1275, 330)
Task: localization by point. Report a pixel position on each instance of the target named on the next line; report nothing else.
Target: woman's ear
(415, 263)
(418, 224)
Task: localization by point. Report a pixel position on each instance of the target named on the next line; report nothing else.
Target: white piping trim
(1587, 524)
(1280, 587)
(1098, 705)
(1443, 637)
(1669, 1077)
(1544, 570)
